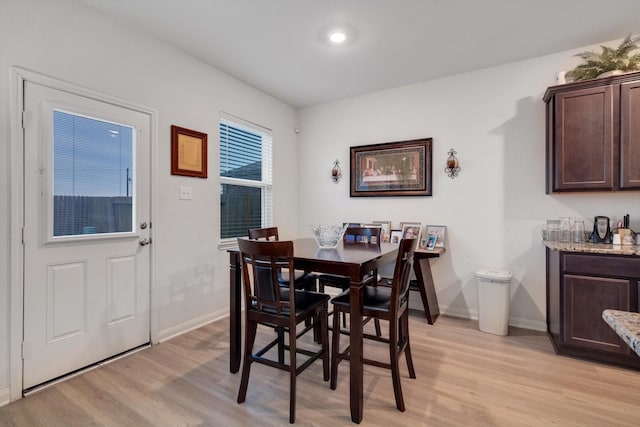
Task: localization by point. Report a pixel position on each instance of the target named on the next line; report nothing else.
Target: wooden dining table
(353, 260)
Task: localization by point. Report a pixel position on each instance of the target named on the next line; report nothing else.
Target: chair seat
(305, 301)
(374, 299)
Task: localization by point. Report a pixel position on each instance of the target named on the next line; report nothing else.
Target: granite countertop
(627, 325)
(594, 248)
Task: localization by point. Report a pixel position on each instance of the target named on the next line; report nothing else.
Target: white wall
(65, 40)
(494, 118)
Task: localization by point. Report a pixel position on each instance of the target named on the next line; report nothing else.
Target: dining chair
(270, 304)
(303, 280)
(390, 304)
(355, 236)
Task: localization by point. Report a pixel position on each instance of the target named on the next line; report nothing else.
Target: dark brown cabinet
(579, 287)
(593, 135)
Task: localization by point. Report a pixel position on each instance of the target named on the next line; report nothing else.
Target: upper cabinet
(593, 135)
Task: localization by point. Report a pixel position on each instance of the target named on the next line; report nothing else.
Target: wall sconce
(336, 172)
(453, 167)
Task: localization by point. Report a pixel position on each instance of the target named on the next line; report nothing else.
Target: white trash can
(494, 294)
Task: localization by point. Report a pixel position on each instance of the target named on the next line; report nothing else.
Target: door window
(93, 176)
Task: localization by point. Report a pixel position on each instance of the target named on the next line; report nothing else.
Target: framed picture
(396, 236)
(432, 239)
(351, 225)
(411, 231)
(188, 152)
(412, 223)
(392, 169)
(373, 238)
(386, 229)
(438, 231)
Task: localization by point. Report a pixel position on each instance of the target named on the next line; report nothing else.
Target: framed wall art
(188, 152)
(392, 169)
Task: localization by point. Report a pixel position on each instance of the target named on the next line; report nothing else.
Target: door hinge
(26, 119)
(22, 237)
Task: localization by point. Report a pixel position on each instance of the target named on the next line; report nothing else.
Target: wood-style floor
(464, 378)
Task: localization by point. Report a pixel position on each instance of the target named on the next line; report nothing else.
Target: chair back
(363, 234)
(269, 233)
(402, 275)
(261, 262)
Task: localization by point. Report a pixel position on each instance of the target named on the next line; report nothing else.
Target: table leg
(235, 312)
(424, 281)
(355, 360)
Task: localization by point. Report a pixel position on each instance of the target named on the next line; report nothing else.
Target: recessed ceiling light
(337, 37)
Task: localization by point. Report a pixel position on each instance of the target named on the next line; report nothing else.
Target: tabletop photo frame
(386, 229)
(396, 236)
(439, 231)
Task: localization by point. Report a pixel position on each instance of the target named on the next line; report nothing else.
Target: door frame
(18, 76)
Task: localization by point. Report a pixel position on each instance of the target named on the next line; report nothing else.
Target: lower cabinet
(579, 287)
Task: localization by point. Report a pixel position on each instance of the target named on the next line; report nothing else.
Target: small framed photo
(411, 231)
(188, 152)
(351, 225)
(432, 239)
(386, 229)
(438, 231)
(396, 236)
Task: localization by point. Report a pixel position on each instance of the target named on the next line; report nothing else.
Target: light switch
(185, 192)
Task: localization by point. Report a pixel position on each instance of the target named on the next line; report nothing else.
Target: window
(245, 177)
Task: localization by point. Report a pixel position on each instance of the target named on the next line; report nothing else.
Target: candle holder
(453, 167)
(336, 172)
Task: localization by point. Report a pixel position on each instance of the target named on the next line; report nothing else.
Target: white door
(86, 232)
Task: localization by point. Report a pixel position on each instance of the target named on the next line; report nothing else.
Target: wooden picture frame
(188, 152)
(439, 231)
(391, 169)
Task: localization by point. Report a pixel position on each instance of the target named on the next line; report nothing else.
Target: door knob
(144, 242)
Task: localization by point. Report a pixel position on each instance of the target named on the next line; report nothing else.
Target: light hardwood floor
(464, 378)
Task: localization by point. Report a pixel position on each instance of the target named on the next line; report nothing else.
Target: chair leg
(324, 335)
(249, 339)
(395, 368)
(292, 376)
(280, 333)
(335, 348)
(407, 349)
(376, 323)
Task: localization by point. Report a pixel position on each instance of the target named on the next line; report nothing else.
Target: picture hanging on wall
(391, 169)
(188, 152)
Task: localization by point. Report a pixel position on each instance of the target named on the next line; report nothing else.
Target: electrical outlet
(186, 192)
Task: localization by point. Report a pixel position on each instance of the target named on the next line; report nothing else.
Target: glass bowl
(328, 236)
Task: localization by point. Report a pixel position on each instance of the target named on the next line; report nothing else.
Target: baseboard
(174, 331)
(518, 322)
(5, 397)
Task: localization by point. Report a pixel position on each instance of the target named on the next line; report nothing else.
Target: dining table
(353, 260)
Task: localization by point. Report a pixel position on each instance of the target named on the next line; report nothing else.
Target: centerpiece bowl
(328, 236)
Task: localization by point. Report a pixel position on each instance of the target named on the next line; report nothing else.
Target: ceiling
(279, 46)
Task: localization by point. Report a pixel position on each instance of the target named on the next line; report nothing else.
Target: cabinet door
(630, 135)
(585, 298)
(585, 131)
